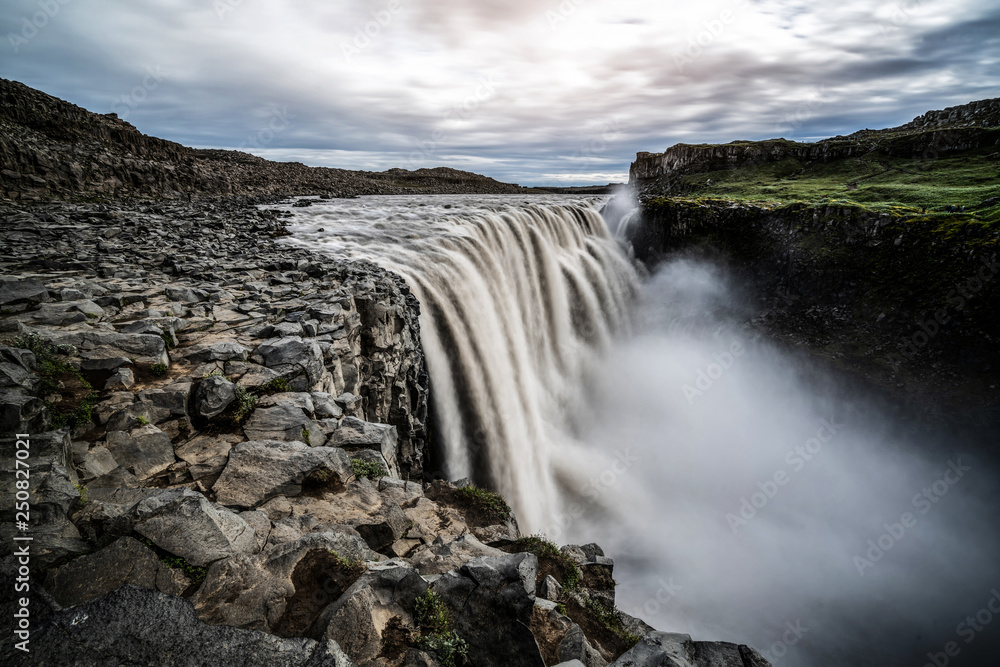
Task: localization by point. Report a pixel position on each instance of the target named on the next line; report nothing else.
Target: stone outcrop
(954, 129)
(53, 149)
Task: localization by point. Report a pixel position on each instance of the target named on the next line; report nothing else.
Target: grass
(77, 396)
(369, 469)
(487, 502)
(876, 180)
(195, 574)
(245, 403)
(277, 385)
(434, 625)
(546, 550)
(610, 620)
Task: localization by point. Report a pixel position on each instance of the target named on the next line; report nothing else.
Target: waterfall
(518, 301)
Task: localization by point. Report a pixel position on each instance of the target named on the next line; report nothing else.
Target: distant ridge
(52, 149)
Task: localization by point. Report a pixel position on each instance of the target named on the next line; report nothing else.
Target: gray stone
(282, 589)
(259, 470)
(213, 396)
(122, 378)
(96, 462)
(358, 620)
(173, 397)
(355, 434)
(144, 451)
(658, 649)
(185, 294)
(137, 626)
(220, 351)
(186, 524)
(385, 528)
(325, 407)
(28, 291)
(491, 600)
(21, 413)
(126, 561)
(284, 421)
(299, 361)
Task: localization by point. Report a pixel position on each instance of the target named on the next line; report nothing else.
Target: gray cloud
(558, 92)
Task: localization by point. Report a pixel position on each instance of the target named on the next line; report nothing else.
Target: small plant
(277, 385)
(544, 549)
(610, 620)
(434, 623)
(245, 403)
(486, 501)
(353, 567)
(142, 420)
(561, 608)
(82, 500)
(369, 469)
(41, 348)
(159, 370)
(215, 374)
(306, 438)
(195, 573)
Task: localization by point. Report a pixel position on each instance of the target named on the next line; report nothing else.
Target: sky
(535, 92)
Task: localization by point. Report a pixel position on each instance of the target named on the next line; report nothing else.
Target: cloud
(516, 88)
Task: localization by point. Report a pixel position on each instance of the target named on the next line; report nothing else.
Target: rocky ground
(227, 459)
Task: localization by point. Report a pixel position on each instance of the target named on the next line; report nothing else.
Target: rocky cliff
(223, 450)
(967, 127)
(53, 149)
(905, 301)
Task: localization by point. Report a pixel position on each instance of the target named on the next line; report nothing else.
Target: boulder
(125, 561)
(359, 619)
(259, 470)
(355, 434)
(284, 588)
(144, 451)
(136, 626)
(213, 396)
(491, 600)
(297, 360)
(21, 413)
(28, 291)
(186, 524)
(658, 649)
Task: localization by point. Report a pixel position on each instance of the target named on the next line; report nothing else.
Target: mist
(739, 487)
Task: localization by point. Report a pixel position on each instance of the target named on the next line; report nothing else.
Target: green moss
(486, 501)
(159, 370)
(547, 550)
(435, 633)
(306, 437)
(194, 573)
(142, 420)
(276, 385)
(245, 404)
(82, 500)
(610, 620)
(369, 469)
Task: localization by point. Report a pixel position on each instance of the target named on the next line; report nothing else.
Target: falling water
(646, 416)
(518, 300)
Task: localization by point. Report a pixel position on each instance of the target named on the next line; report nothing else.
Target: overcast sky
(526, 91)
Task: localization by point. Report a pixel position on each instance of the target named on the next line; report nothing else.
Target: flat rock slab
(187, 524)
(260, 470)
